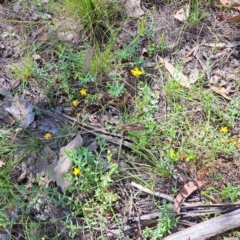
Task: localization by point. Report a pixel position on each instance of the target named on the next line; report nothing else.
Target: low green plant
(116, 89)
(159, 47)
(197, 11)
(230, 193)
(90, 192)
(61, 75)
(24, 70)
(167, 221)
(128, 51)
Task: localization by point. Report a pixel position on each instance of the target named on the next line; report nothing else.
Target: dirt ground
(26, 25)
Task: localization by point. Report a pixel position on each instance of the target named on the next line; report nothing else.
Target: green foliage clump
(91, 182)
(167, 221)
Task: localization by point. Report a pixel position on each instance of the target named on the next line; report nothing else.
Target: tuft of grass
(24, 71)
(94, 15)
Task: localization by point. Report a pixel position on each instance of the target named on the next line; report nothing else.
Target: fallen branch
(209, 228)
(111, 137)
(149, 216)
(156, 194)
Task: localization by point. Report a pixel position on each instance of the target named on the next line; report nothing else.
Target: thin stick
(138, 215)
(156, 194)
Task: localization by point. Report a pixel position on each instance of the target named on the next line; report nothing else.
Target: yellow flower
(76, 171)
(172, 153)
(43, 238)
(136, 72)
(47, 136)
(74, 103)
(83, 92)
(224, 129)
(109, 154)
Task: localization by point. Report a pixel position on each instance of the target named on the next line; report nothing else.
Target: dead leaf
(17, 6)
(144, 52)
(6, 85)
(64, 164)
(11, 121)
(217, 81)
(233, 3)
(45, 168)
(222, 91)
(43, 37)
(183, 14)
(87, 59)
(67, 36)
(185, 191)
(234, 19)
(2, 163)
(37, 58)
(178, 76)
(193, 77)
(133, 8)
(21, 110)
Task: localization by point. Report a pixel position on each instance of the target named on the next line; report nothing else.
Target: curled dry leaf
(21, 110)
(234, 19)
(183, 14)
(222, 91)
(185, 191)
(133, 8)
(179, 76)
(2, 163)
(64, 164)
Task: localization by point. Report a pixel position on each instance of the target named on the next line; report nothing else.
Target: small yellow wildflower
(74, 103)
(109, 155)
(76, 171)
(47, 136)
(224, 129)
(172, 153)
(43, 238)
(83, 92)
(136, 72)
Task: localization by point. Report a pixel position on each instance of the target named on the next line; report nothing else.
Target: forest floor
(122, 126)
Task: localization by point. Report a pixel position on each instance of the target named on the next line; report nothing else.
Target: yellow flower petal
(76, 171)
(224, 129)
(47, 136)
(74, 103)
(136, 72)
(109, 154)
(83, 92)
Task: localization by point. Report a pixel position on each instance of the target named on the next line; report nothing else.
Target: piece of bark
(209, 228)
(185, 191)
